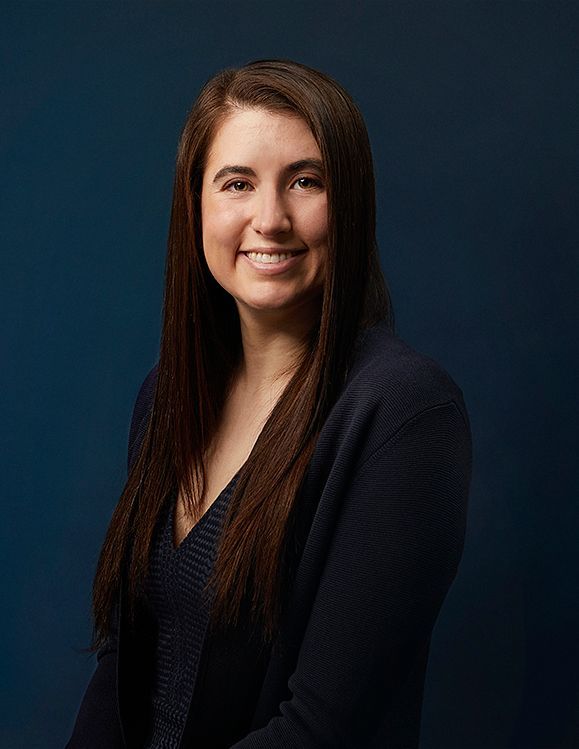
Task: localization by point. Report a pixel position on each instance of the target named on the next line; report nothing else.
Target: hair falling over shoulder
(201, 346)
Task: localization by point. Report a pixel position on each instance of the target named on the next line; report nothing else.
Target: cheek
(315, 225)
(220, 226)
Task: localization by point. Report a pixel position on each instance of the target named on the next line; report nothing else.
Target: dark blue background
(473, 115)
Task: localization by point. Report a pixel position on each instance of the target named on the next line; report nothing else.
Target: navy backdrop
(472, 111)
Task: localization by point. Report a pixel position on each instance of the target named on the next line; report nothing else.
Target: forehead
(259, 135)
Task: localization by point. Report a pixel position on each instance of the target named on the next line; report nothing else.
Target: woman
(298, 476)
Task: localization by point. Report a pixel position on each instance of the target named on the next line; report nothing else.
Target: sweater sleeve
(394, 553)
(97, 724)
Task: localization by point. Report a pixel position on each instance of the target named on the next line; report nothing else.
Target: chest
(230, 448)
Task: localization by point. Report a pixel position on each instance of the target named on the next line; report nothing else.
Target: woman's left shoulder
(390, 373)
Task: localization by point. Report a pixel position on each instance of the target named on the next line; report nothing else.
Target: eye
(307, 183)
(238, 185)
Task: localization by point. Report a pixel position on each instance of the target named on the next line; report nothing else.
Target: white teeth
(267, 257)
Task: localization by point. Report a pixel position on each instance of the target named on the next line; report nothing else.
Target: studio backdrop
(473, 116)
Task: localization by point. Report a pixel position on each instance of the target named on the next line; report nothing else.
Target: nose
(271, 215)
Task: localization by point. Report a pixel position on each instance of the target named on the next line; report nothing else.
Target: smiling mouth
(270, 258)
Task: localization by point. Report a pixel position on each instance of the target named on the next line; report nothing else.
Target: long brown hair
(201, 346)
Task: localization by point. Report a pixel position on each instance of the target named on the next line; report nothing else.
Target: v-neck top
(379, 530)
(179, 612)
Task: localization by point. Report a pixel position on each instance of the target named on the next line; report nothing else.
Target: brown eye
(307, 183)
(239, 185)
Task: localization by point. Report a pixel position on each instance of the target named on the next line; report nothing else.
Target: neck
(272, 343)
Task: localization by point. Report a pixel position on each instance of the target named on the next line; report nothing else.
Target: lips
(269, 258)
(272, 260)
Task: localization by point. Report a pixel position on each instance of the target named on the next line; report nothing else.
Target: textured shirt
(381, 518)
(179, 611)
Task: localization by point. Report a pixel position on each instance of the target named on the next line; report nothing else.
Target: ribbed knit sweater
(179, 612)
(382, 514)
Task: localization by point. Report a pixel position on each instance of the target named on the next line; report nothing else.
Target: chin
(269, 306)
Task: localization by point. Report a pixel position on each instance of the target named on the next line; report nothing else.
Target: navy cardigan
(383, 512)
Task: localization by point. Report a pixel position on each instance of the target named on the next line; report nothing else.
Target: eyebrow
(298, 166)
(227, 170)
(246, 171)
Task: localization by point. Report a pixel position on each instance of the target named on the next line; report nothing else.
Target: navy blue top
(379, 534)
(179, 609)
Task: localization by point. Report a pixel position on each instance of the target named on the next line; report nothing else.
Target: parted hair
(201, 348)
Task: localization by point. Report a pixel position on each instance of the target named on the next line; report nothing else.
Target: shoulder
(384, 363)
(141, 411)
(390, 383)
(146, 394)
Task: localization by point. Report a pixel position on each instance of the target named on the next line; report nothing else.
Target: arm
(97, 724)
(394, 553)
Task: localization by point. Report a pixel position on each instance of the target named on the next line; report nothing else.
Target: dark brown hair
(201, 347)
